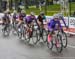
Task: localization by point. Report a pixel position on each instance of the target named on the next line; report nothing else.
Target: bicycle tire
(44, 36)
(6, 31)
(27, 40)
(59, 49)
(36, 36)
(49, 44)
(19, 35)
(41, 35)
(66, 41)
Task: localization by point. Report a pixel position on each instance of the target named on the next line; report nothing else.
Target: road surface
(13, 48)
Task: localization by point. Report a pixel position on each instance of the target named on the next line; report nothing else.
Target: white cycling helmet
(7, 10)
(23, 11)
(55, 16)
(32, 13)
(60, 15)
(14, 11)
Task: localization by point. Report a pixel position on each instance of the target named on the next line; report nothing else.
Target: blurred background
(67, 7)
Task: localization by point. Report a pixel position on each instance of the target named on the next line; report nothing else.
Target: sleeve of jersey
(64, 21)
(60, 25)
(38, 17)
(50, 24)
(44, 17)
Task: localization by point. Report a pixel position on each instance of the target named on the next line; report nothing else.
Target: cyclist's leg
(41, 28)
(30, 29)
(5, 28)
(50, 33)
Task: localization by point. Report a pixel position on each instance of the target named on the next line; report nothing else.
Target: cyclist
(40, 20)
(29, 21)
(6, 20)
(21, 16)
(14, 14)
(53, 25)
(14, 17)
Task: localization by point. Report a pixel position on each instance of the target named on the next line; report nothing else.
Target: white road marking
(71, 46)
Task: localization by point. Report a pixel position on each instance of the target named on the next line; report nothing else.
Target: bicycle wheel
(19, 35)
(44, 36)
(6, 32)
(26, 36)
(58, 43)
(20, 32)
(49, 44)
(35, 37)
(64, 40)
(27, 39)
(14, 29)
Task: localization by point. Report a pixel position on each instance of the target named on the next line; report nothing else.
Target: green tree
(0, 5)
(10, 4)
(26, 4)
(16, 4)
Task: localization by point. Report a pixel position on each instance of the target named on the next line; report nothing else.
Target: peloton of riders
(21, 18)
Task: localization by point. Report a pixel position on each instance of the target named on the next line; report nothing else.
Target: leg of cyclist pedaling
(31, 29)
(41, 29)
(28, 29)
(50, 36)
(5, 27)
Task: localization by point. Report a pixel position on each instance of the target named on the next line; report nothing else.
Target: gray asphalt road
(13, 48)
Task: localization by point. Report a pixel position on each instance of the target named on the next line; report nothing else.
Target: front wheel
(44, 36)
(58, 43)
(64, 40)
(35, 37)
(49, 43)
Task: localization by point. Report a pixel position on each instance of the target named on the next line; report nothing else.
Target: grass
(50, 10)
(72, 7)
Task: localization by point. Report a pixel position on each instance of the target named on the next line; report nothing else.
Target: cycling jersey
(29, 19)
(40, 18)
(52, 24)
(15, 16)
(62, 18)
(21, 16)
(6, 19)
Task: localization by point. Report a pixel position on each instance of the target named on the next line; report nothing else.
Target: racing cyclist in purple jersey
(21, 17)
(55, 24)
(29, 21)
(14, 17)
